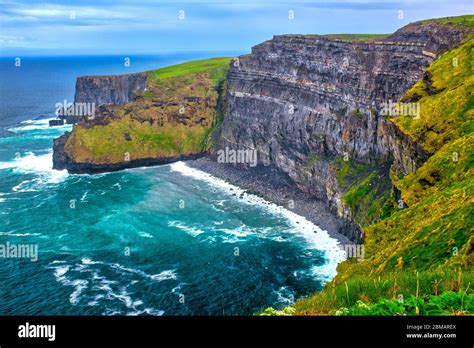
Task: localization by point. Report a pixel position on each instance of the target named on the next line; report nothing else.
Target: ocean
(164, 240)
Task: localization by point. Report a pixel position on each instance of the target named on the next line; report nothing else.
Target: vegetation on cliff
(446, 100)
(366, 189)
(174, 116)
(465, 21)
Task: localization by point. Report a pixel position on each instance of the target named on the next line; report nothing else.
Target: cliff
(314, 109)
(143, 119)
(418, 257)
(310, 105)
(106, 89)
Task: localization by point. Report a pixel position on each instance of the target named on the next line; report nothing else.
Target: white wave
(145, 235)
(176, 289)
(192, 231)
(109, 290)
(285, 295)
(13, 234)
(60, 271)
(228, 239)
(19, 187)
(78, 284)
(164, 275)
(84, 196)
(239, 232)
(41, 165)
(87, 261)
(31, 125)
(149, 311)
(315, 237)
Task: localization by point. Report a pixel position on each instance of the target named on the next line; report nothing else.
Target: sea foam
(315, 237)
(41, 165)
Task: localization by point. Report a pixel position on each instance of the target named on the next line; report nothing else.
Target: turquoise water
(164, 240)
(161, 240)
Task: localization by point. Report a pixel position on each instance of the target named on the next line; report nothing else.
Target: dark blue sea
(164, 240)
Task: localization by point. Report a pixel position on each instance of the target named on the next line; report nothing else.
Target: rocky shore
(274, 186)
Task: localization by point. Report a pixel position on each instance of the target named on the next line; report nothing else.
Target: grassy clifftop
(465, 21)
(173, 116)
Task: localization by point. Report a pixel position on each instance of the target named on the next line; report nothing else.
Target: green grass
(365, 189)
(448, 303)
(106, 144)
(154, 125)
(216, 67)
(401, 286)
(466, 20)
(360, 191)
(349, 171)
(448, 114)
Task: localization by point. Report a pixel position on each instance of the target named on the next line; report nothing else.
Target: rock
(109, 89)
(296, 96)
(53, 123)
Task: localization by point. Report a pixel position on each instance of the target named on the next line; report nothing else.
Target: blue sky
(145, 26)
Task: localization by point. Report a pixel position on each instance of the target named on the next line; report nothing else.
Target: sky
(65, 27)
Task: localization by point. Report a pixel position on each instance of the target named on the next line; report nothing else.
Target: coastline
(273, 186)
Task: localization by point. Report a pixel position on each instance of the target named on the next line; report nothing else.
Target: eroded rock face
(436, 37)
(109, 89)
(298, 97)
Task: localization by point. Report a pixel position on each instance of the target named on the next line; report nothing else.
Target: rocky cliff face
(304, 101)
(435, 36)
(106, 89)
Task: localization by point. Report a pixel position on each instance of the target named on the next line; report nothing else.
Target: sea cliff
(312, 108)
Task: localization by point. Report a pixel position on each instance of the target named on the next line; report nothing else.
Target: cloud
(142, 25)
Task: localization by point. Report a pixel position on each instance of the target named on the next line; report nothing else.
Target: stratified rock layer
(296, 98)
(109, 89)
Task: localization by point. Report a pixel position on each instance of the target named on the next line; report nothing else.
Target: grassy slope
(465, 21)
(449, 114)
(153, 126)
(216, 66)
(366, 189)
(426, 249)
